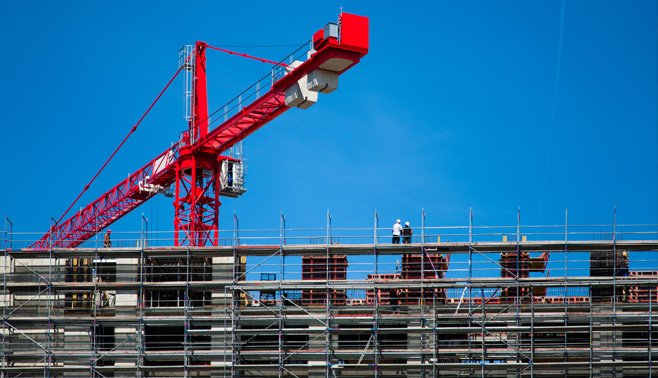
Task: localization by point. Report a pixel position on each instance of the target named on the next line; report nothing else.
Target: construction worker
(397, 231)
(107, 242)
(100, 298)
(406, 233)
(623, 265)
(622, 271)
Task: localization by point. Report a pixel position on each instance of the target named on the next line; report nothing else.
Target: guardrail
(367, 235)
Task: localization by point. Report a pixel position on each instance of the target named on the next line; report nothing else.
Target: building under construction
(551, 302)
(319, 307)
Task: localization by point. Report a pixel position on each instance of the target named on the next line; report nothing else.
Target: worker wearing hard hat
(406, 233)
(107, 242)
(397, 231)
(622, 269)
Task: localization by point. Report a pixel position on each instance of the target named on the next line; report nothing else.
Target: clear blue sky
(541, 105)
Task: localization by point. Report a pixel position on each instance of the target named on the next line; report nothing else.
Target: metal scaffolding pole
(565, 293)
(5, 298)
(651, 294)
(328, 365)
(435, 340)
(591, 330)
(235, 306)
(280, 306)
(423, 295)
(49, 304)
(484, 334)
(227, 349)
(186, 313)
(532, 332)
(93, 334)
(518, 296)
(470, 277)
(614, 288)
(141, 303)
(376, 312)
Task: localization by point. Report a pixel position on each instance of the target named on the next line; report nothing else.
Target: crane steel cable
(231, 52)
(132, 130)
(263, 46)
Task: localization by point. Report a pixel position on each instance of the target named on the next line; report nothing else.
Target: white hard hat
(406, 223)
(397, 221)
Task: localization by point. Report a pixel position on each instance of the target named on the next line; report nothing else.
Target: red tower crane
(196, 164)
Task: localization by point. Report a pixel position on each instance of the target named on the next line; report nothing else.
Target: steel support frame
(196, 207)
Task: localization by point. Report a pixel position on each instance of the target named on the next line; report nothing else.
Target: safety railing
(370, 235)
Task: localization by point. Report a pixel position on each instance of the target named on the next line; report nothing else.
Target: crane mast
(196, 203)
(196, 164)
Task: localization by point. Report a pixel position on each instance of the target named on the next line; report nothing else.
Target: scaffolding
(453, 302)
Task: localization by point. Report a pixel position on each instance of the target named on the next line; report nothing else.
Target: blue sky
(495, 105)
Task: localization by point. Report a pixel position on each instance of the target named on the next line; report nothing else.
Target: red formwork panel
(416, 266)
(387, 276)
(316, 267)
(513, 265)
(386, 296)
(643, 294)
(319, 268)
(431, 266)
(639, 295)
(525, 265)
(318, 297)
(417, 297)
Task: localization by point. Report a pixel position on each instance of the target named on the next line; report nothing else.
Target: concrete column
(127, 271)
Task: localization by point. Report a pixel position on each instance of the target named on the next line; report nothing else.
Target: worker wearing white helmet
(406, 233)
(397, 231)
